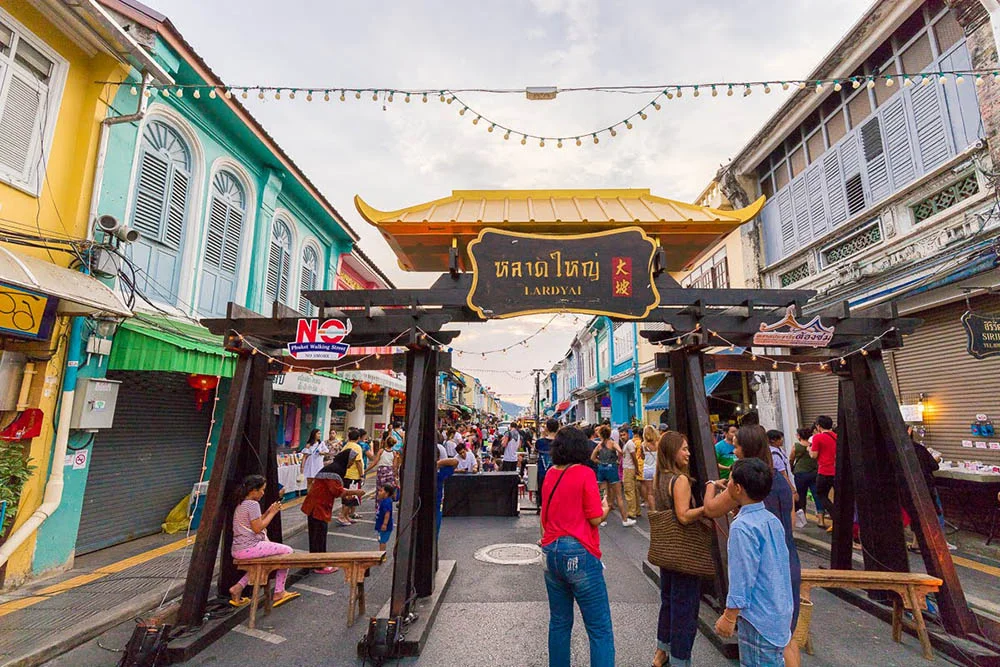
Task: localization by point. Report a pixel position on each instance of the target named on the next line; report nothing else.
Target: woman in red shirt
(572, 509)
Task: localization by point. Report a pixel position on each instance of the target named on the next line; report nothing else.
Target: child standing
(760, 589)
(383, 517)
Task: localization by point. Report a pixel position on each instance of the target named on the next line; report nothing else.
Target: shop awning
(157, 343)
(78, 293)
(661, 401)
(562, 407)
(321, 383)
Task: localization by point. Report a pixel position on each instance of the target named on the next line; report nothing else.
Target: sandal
(242, 602)
(344, 523)
(287, 597)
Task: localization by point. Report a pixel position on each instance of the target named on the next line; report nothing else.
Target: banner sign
(374, 403)
(983, 334)
(789, 333)
(296, 382)
(26, 314)
(604, 273)
(320, 341)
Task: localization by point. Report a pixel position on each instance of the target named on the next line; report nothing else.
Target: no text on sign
(604, 273)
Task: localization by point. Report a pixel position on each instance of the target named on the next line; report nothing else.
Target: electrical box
(94, 404)
(11, 373)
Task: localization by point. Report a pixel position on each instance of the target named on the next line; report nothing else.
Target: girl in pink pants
(250, 536)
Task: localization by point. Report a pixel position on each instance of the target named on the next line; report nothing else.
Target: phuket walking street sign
(603, 273)
(320, 341)
(983, 334)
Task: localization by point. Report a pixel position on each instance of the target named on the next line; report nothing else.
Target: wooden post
(955, 613)
(426, 548)
(849, 434)
(689, 415)
(214, 514)
(421, 388)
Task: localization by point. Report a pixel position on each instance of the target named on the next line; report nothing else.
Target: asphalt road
(497, 615)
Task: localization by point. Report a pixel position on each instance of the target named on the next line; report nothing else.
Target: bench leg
(897, 620)
(361, 599)
(253, 606)
(353, 595)
(918, 616)
(268, 598)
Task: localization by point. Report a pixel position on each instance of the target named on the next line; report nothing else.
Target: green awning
(156, 343)
(346, 386)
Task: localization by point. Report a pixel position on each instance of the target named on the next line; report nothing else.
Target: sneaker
(951, 547)
(800, 519)
(628, 522)
(603, 524)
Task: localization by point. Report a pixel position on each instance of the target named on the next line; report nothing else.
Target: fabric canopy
(661, 401)
(155, 343)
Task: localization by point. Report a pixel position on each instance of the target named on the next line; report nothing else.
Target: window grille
(863, 240)
(945, 198)
(800, 272)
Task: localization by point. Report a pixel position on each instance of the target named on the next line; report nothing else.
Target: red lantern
(376, 388)
(366, 386)
(203, 386)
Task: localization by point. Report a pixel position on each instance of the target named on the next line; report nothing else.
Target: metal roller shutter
(956, 386)
(147, 463)
(817, 393)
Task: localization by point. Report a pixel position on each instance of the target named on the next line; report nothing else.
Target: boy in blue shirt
(760, 588)
(383, 516)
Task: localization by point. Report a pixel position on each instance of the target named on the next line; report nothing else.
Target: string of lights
(797, 366)
(501, 350)
(290, 367)
(661, 94)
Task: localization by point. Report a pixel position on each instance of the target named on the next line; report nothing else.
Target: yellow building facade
(51, 114)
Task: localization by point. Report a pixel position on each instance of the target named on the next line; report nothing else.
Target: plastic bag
(177, 519)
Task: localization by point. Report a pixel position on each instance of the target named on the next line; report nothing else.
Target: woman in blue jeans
(607, 455)
(572, 510)
(680, 594)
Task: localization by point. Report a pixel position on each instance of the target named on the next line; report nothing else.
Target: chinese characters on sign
(606, 273)
(983, 334)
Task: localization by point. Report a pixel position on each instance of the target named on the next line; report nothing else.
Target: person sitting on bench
(250, 538)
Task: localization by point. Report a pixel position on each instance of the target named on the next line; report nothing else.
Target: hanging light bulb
(889, 81)
(837, 86)
(715, 91)
(541, 143)
(424, 98)
(802, 85)
(357, 94)
(441, 98)
(260, 94)
(798, 368)
(979, 79)
(490, 128)
(747, 90)
(753, 357)
(613, 132)
(729, 92)
(907, 82)
(165, 92)
(506, 135)
(291, 95)
(855, 83)
(819, 87)
(774, 365)
(642, 115)
(524, 139)
(407, 98)
(244, 94)
(559, 144)
(180, 92)
(146, 93)
(390, 96)
(309, 96)
(871, 83)
(277, 94)
(596, 140)
(924, 80)
(680, 92)
(578, 142)
(451, 99)
(475, 121)
(843, 361)
(656, 105)
(696, 92)
(943, 80)
(864, 352)
(196, 94)
(784, 85)
(461, 112)
(375, 96)
(767, 89)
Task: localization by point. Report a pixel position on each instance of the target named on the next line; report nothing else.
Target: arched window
(309, 280)
(162, 185)
(279, 263)
(226, 215)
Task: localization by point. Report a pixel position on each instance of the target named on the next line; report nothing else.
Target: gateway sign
(295, 382)
(320, 341)
(605, 273)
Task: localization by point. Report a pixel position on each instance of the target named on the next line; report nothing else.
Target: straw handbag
(677, 547)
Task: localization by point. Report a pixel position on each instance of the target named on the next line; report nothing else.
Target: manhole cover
(510, 554)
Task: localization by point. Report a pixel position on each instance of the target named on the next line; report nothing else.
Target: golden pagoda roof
(421, 235)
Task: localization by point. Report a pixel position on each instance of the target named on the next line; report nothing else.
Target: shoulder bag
(677, 547)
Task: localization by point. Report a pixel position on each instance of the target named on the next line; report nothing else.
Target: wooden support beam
(202, 563)
(732, 326)
(848, 440)
(741, 362)
(955, 613)
(366, 362)
(367, 332)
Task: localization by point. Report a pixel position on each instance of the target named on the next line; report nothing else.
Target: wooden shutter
(787, 221)
(216, 232)
(834, 187)
(817, 204)
(234, 236)
(307, 280)
(173, 231)
(151, 192)
(932, 137)
(899, 152)
(273, 271)
(800, 205)
(19, 125)
(873, 149)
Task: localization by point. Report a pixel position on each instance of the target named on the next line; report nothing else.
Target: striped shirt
(243, 535)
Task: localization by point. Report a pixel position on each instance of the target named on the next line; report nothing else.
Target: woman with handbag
(572, 510)
(752, 443)
(681, 547)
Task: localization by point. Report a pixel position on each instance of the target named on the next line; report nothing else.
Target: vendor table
(481, 494)
(969, 497)
(288, 478)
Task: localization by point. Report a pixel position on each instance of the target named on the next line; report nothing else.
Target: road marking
(269, 637)
(313, 589)
(353, 537)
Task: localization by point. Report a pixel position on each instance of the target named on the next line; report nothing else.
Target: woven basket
(801, 634)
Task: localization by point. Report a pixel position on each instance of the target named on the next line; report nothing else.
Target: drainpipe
(102, 150)
(54, 487)
(636, 380)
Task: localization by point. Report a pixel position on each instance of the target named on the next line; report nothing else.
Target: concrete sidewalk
(45, 619)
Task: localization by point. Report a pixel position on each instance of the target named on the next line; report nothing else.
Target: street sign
(982, 333)
(789, 333)
(605, 273)
(320, 341)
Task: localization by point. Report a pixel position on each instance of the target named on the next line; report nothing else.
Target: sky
(397, 154)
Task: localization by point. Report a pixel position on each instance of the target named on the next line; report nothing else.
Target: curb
(84, 631)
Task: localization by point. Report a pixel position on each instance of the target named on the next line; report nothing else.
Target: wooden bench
(911, 587)
(354, 564)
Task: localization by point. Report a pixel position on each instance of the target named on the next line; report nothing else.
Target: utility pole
(538, 399)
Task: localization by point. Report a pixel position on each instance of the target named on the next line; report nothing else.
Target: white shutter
(932, 137)
(308, 282)
(20, 126)
(817, 206)
(786, 221)
(286, 268)
(834, 187)
(902, 169)
(800, 204)
(234, 235)
(273, 272)
(874, 151)
(173, 232)
(151, 193)
(216, 232)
